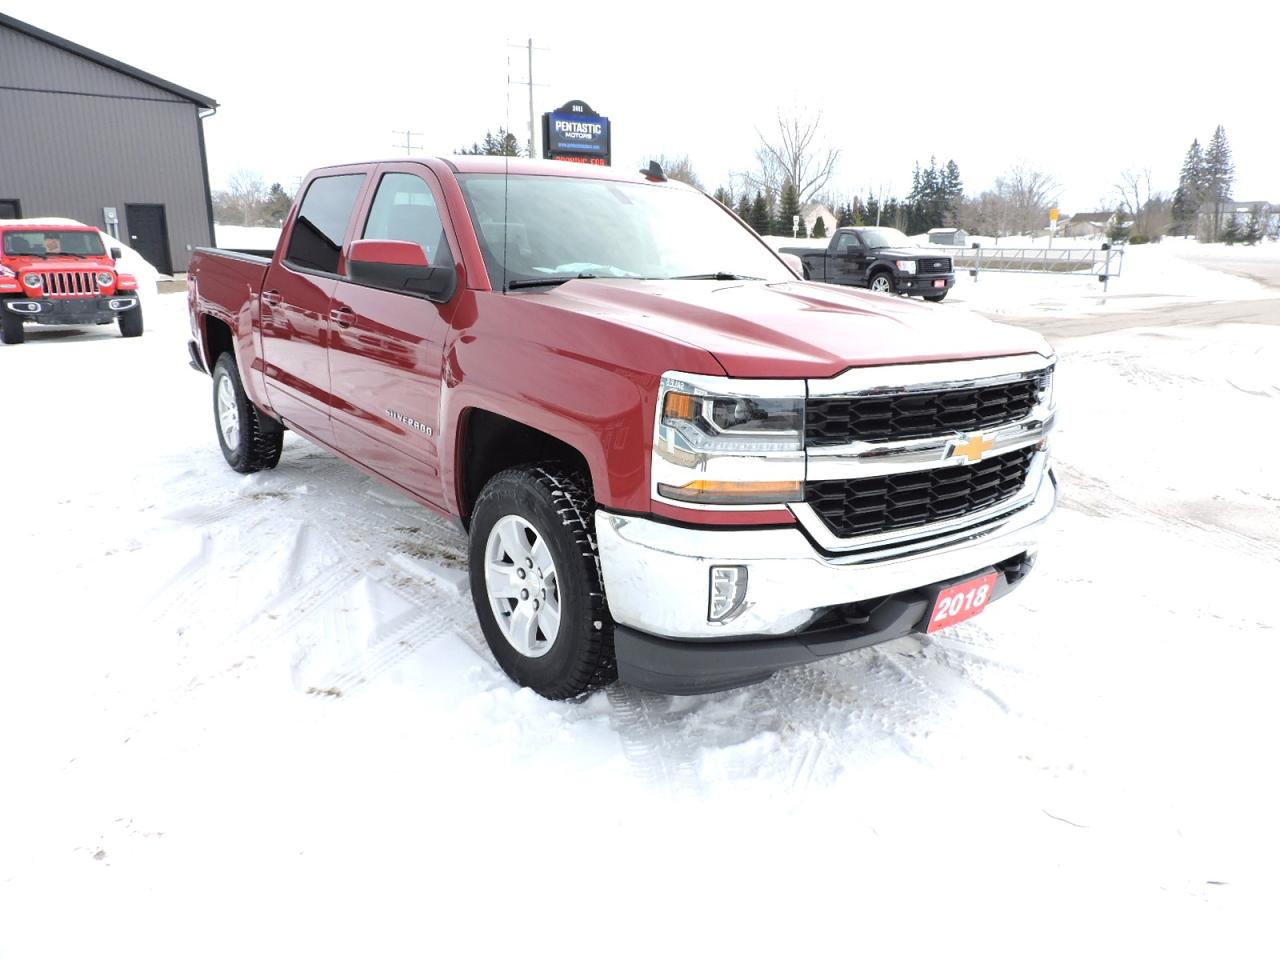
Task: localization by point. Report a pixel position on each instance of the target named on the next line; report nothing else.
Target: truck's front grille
(70, 283)
(870, 505)
(830, 421)
(935, 265)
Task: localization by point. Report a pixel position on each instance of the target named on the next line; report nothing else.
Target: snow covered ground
(235, 237)
(256, 717)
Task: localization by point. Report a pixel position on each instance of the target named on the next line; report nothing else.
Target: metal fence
(1103, 263)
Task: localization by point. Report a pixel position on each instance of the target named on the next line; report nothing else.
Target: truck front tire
(882, 282)
(250, 440)
(131, 322)
(11, 327)
(535, 581)
(936, 297)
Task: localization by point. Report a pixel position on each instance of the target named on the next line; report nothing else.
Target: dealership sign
(576, 132)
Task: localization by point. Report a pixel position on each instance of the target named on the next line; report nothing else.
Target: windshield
(53, 243)
(563, 227)
(878, 237)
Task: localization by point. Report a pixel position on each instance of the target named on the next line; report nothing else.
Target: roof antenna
(654, 172)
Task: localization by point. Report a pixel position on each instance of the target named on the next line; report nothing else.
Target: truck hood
(759, 329)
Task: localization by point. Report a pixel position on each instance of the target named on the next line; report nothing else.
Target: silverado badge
(972, 449)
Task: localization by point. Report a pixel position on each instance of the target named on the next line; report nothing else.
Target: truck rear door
(387, 349)
(296, 296)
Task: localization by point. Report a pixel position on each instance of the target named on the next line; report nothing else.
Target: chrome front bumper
(657, 575)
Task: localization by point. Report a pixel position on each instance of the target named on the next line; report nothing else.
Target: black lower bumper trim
(666, 665)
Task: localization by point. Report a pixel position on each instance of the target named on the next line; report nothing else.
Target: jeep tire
(131, 321)
(11, 327)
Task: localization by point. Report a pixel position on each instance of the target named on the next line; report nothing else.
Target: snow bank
(232, 237)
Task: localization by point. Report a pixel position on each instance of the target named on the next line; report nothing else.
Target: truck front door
(296, 297)
(387, 351)
(847, 264)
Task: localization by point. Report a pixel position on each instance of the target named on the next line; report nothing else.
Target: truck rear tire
(881, 282)
(536, 584)
(11, 328)
(131, 322)
(250, 440)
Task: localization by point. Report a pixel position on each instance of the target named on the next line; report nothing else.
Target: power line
(408, 146)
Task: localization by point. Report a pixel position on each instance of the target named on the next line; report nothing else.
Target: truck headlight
(725, 442)
(905, 266)
(32, 280)
(1046, 388)
(104, 279)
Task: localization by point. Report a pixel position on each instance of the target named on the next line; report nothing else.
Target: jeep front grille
(70, 283)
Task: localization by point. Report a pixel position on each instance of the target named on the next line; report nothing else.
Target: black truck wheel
(936, 297)
(881, 282)
(535, 581)
(131, 321)
(11, 327)
(250, 440)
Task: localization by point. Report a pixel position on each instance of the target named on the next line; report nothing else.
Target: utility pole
(528, 48)
(408, 146)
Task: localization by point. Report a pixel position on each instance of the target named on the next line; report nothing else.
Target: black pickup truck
(880, 258)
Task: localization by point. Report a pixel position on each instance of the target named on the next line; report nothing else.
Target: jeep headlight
(905, 266)
(32, 280)
(725, 442)
(105, 279)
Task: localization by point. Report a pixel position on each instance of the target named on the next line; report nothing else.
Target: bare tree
(1135, 196)
(793, 153)
(243, 200)
(679, 168)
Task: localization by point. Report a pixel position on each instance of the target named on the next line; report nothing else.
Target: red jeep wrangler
(52, 273)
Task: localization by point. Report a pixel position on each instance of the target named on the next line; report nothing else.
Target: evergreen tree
(788, 208)
(500, 144)
(1119, 230)
(1219, 175)
(760, 220)
(744, 207)
(724, 197)
(1232, 233)
(1253, 230)
(952, 192)
(858, 212)
(802, 230)
(819, 228)
(845, 219)
(1189, 196)
(277, 205)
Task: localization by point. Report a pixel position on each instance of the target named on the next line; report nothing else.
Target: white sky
(1084, 92)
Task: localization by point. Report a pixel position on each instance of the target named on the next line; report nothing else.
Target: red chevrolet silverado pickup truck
(677, 463)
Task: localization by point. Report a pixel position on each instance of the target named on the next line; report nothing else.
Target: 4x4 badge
(974, 446)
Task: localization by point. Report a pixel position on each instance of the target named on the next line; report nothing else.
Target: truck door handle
(271, 298)
(342, 316)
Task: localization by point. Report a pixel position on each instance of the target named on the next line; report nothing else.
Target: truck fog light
(728, 590)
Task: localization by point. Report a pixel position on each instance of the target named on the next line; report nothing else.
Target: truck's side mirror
(400, 266)
(115, 253)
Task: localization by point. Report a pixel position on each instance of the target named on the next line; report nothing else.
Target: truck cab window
(321, 226)
(405, 209)
(848, 243)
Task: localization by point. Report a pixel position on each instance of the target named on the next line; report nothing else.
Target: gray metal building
(88, 137)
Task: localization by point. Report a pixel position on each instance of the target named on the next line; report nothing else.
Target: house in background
(810, 213)
(1093, 224)
(948, 236)
(102, 142)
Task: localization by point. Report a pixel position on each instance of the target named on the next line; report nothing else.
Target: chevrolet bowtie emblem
(974, 446)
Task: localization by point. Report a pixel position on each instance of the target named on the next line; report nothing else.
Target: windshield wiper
(721, 275)
(548, 281)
